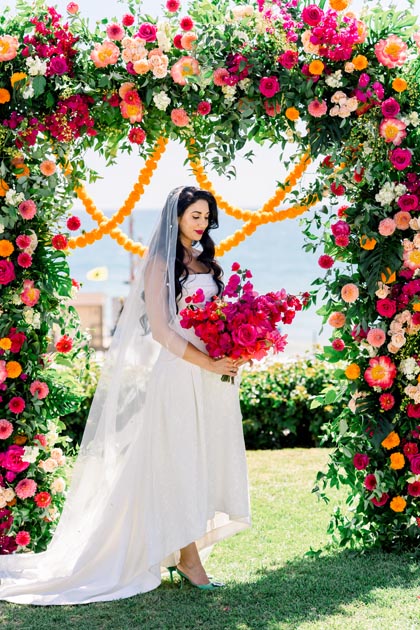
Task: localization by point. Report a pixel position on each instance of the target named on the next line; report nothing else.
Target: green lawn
(271, 585)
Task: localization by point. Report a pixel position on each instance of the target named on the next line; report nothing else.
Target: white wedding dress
(181, 478)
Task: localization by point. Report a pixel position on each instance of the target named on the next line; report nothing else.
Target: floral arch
(344, 89)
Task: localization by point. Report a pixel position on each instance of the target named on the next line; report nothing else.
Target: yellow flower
(367, 243)
(316, 67)
(397, 461)
(6, 248)
(4, 96)
(391, 441)
(5, 343)
(292, 113)
(398, 504)
(17, 76)
(399, 84)
(13, 369)
(360, 62)
(352, 371)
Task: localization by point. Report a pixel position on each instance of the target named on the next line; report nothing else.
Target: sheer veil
(98, 501)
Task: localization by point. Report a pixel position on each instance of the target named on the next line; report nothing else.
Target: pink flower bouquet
(240, 323)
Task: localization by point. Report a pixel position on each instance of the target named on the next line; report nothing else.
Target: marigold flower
(6, 248)
(4, 96)
(316, 67)
(47, 168)
(5, 343)
(352, 371)
(14, 369)
(339, 5)
(360, 62)
(292, 113)
(391, 441)
(398, 504)
(17, 76)
(399, 84)
(4, 187)
(397, 461)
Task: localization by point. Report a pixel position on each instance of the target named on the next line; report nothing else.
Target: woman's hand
(224, 366)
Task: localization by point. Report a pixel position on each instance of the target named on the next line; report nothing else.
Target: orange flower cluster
(109, 226)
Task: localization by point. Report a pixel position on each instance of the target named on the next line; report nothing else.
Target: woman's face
(193, 222)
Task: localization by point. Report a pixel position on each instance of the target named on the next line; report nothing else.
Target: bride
(161, 472)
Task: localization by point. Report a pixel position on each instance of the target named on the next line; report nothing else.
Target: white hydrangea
(36, 66)
(334, 80)
(400, 189)
(387, 194)
(367, 149)
(14, 198)
(31, 453)
(409, 367)
(161, 100)
(36, 321)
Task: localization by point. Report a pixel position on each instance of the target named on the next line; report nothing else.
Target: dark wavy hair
(188, 196)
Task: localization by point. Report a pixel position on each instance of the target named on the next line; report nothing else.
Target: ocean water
(273, 253)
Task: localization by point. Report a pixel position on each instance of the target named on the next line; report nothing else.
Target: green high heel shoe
(211, 586)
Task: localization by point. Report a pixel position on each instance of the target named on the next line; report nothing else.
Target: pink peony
(25, 488)
(23, 538)
(115, 32)
(349, 292)
(317, 108)
(391, 52)
(370, 482)
(325, 261)
(6, 429)
(12, 459)
(376, 337)
(16, 404)
(184, 68)
(312, 15)
(8, 47)
(400, 158)
(7, 272)
(148, 32)
(105, 54)
(393, 130)
(387, 227)
(27, 209)
(39, 389)
(381, 372)
(172, 5)
(180, 117)
(269, 86)
(361, 461)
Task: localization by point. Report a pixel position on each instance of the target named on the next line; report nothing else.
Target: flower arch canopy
(215, 75)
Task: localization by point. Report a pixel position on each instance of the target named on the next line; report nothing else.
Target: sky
(254, 183)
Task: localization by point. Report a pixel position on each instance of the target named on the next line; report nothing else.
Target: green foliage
(276, 404)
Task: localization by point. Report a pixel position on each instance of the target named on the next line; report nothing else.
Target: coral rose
(402, 220)
(387, 227)
(180, 117)
(337, 319)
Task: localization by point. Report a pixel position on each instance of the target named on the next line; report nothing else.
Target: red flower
(410, 449)
(342, 241)
(186, 23)
(17, 338)
(24, 260)
(73, 223)
(59, 241)
(137, 135)
(413, 489)
(338, 190)
(16, 404)
(386, 307)
(288, 59)
(128, 19)
(7, 272)
(204, 108)
(235, 266)
(172, 5)
(358, 175)
(269, 86)
(361, 461)
(386, 401)
(42, 499)
(381, 501)
(338, 344)
(64, 344)
(413, 410)
(177, 41)
(381, 372)
(23, 538)
(415, 464)
(370, 482)
(325, 261)
(327, 162)
(42, 439)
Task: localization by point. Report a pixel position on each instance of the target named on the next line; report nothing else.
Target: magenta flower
(361, 461)
(338, 344)
(312, 15)
(408, 202)
(370, 482)
(23, 241)
(147, 31)
(381, 501)
(288, 59)
(7, 272)
(269, 86)
(204, 108)
(24, 260)
(16, 404)
(386, 307)
(400, 158)
(317, 108)
(340, 228)
(12, 459)
(23, 538)
(390, 108)
(325, 261)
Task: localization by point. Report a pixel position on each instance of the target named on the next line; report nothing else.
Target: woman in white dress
(161, 473)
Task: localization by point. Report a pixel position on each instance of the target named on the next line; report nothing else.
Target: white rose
(48, 465)
(58, 485)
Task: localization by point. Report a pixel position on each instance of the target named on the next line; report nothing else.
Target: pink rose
(269, 86)
(12, 459)
(7, 272)
(312, 15)
(288, 59)
(387, 227)
(400, 158)
(148, 32)
(370, 482)
(361, 461)
(390, 108)
(408, 202)
(16, 404)
(245, 335)
(413, 489)
(415, 464)
(340, 228)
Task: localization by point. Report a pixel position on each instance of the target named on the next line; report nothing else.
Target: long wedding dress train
(173, 473)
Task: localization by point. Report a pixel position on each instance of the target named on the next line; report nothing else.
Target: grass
(271, 585)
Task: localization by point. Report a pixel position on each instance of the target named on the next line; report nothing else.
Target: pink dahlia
(204, 108)
(391, 52)
(376, 337)
(172, 5)
(269, 86)
(24, 260)
(349, 292)
(42, 499)
(219, 76)
(39, 389)
(27, 209)
(325, 261)
(128, 19)
(23, 241)
(317, 108)
(381, 372)
(16, 404)
(115, 32)
(25, 488)
(59, 241)
(186, 23)
(6, 429)
(23, 538)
